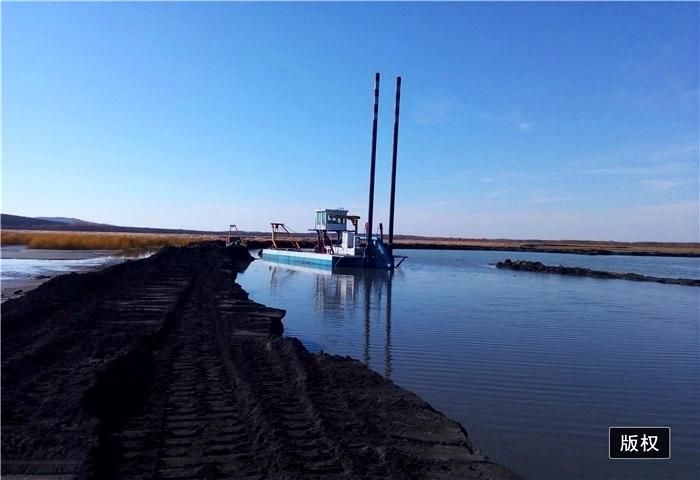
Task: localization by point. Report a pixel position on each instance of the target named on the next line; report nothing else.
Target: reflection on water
(387, 345)
(536, 367)
(335, 294)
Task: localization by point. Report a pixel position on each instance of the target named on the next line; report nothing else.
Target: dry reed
(94, 241)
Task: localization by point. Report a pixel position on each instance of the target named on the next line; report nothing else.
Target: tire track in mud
(55, 340)
(192, 426)
(165, 369)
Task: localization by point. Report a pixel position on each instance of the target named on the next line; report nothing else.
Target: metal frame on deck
(281, 228)
(236, 238)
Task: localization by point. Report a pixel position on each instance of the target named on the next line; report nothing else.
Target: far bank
(110, 240)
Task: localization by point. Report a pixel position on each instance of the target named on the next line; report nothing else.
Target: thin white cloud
(545, 197)
(524, 126)
(514, 119)
(670, 154)
(675, 151)
(674, 167)
(661, 95)
(672, 158)
(439, 181)
(458, 176)
(498, 193)
(521, 177)
(662, 223)
(657, 81)
(661, 185)
(435, 110)
(447, 203)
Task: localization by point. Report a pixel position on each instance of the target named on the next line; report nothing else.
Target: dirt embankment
(164, 368)
(526, 266)
(540, 246)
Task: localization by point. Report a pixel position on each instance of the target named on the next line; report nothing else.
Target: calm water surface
(536, 367)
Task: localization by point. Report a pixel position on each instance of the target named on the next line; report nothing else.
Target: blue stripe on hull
(382, 259)
(299, 260)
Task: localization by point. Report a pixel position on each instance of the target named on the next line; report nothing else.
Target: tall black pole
(393, 164)
(374, 160)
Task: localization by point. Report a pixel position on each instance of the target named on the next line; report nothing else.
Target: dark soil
(526, 266)
(164, 368)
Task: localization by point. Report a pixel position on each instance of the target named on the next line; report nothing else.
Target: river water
(536, 367)
(24, 268)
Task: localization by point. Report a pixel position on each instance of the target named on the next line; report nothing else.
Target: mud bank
(526, 266)
(538, 246)
(164, 368)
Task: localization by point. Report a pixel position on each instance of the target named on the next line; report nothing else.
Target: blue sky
(523, 120)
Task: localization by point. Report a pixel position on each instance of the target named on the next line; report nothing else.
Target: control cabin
(335, 222)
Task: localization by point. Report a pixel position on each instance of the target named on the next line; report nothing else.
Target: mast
(373, 160)
(393, 165)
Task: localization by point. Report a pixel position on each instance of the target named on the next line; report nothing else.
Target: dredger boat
(336, 246)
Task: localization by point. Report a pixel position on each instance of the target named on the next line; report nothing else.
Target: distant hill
(16, 222)
(70, 221)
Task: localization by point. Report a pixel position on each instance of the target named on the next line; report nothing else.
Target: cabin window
(328, 219)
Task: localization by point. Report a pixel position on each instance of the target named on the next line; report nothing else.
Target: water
(19, 264)
(536, 367)
(26, 268)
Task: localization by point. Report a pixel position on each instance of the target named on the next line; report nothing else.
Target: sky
(518, 120)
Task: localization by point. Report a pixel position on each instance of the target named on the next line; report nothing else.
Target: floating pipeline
(165, 368)
(526, 266)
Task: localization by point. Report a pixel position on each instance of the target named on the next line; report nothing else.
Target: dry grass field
(553, 246)
(586, 247)
(95, 241)
(128, 241)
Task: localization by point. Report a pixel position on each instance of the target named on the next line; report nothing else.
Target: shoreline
(539, 267)
(569, 250)
(572, 247)
(165, 365)
(535, 246)
(410, 242)
(16, 287)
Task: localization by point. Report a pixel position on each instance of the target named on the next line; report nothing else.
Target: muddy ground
(164, 368)
(539, 267)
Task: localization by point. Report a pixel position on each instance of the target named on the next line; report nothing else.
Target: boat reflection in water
(338, 296)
